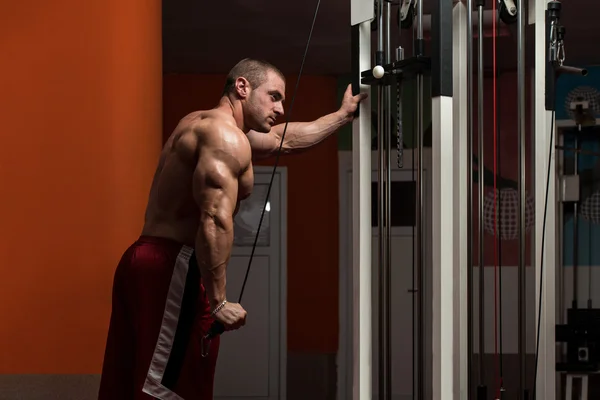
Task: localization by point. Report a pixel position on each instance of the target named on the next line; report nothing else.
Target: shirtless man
(170, 284)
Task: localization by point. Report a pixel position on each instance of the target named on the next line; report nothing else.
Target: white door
(402, 343)
(252, 360)
(401, 317)
(402, 194)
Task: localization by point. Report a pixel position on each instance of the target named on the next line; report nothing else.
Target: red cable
(495, 202)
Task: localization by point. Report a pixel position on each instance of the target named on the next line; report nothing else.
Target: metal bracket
(508, 11)
(205, 346)
(511, 7)
(569, 188)
(361, 11)
(583, 115)
(406, 13)
(405, 7)
(401, 69)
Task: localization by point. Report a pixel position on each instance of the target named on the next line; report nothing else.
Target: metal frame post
(462, 174)
(546, 368)
(521, 132)
(442, 201)
(362, 13)
(470, 232)
(445, 267)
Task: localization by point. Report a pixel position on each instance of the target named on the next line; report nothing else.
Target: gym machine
(384, 72)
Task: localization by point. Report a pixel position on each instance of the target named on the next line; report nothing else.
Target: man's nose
(279, 109)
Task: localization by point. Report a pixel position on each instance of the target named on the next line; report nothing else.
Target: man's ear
(242, 87)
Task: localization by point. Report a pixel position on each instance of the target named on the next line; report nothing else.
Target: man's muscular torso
(172, 211)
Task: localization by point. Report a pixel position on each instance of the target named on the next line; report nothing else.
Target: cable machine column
(361, 16)
(470, 209)
(521, 120)
(462, 169)
(481, 388)
(383, 144)
(443, 161)
(420, 52)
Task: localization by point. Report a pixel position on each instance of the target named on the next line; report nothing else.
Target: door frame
(262, 175)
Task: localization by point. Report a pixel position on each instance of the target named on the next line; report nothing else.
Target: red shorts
(159, 314)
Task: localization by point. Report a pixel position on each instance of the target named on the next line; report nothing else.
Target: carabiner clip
(205, 346)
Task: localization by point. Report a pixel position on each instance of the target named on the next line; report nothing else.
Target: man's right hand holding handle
(227, 317)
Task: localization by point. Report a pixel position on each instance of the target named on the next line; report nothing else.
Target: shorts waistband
(161, 241)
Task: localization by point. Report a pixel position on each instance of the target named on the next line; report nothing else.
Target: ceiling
(210, 37)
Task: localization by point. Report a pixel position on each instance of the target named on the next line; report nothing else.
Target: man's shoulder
(218, 134)
(207, 124)
(222, 135)
(214, 124)
(209, 131)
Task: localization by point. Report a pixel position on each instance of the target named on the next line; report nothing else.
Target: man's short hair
(255, 71)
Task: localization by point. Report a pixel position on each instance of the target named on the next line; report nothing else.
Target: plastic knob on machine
(378, 72)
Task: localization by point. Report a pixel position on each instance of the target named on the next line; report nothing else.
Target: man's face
(265, 103)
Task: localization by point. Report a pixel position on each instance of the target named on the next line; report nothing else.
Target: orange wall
(312, 227)
(81, 133)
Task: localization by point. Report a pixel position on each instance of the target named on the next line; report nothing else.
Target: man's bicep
(263, 144)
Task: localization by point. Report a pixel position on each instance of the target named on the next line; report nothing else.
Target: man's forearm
(213, 247)
(302, 135)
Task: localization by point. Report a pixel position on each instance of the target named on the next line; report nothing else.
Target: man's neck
(235, 109)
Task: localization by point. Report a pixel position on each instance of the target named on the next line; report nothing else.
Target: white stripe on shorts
(153, 384)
